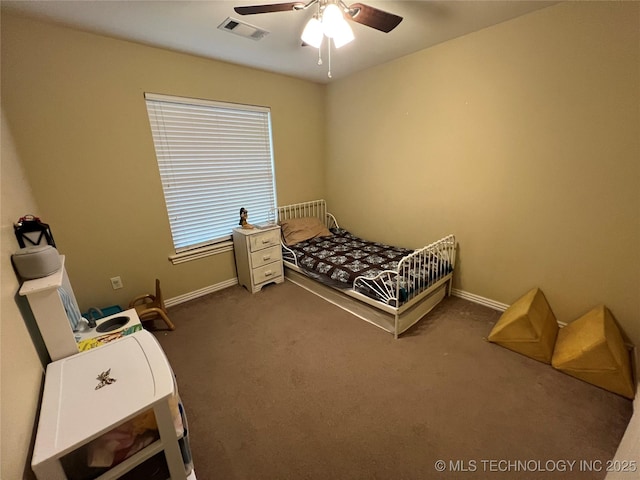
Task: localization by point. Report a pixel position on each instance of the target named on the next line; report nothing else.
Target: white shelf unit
(48, 310)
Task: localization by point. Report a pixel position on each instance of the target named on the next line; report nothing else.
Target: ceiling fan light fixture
(330, 20)
(312, 33)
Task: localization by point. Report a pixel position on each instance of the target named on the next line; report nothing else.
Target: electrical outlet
(116, 283)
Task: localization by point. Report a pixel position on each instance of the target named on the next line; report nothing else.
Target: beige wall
(523, 139)
(75, 104)
(21, 371)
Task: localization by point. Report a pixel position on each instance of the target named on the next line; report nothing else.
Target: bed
(389, 287)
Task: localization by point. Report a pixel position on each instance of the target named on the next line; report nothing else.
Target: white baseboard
(472, 297)
(487, 302)
(170, 302)
(501, 307)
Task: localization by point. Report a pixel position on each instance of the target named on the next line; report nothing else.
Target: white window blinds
(214, 158)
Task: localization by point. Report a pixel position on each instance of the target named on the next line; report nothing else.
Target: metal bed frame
(392, 315)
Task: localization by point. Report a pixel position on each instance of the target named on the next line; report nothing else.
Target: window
(214, 158)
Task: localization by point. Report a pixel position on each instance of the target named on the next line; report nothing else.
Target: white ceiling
(191, 27)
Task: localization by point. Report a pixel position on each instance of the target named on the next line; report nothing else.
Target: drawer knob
(266, 257)
(268, 273)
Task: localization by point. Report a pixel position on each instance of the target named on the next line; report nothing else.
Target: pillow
(296, 230)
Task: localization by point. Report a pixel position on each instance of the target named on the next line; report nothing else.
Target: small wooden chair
(150, 307)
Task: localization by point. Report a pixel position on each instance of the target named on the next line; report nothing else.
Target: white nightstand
(258, 256)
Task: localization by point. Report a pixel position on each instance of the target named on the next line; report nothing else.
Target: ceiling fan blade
(372, 17)
(274, 7)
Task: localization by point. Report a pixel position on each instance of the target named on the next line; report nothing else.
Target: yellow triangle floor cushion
(528, 327)
(591, 348)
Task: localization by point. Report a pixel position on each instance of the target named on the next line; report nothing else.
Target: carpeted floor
(283, 385)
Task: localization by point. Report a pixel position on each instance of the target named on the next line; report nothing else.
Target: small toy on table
(244, 214)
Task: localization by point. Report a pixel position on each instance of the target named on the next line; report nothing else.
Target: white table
(74, 412)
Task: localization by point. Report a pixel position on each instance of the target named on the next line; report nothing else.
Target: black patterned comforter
(338, 259)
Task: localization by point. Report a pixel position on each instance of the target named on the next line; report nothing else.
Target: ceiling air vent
(243, 29)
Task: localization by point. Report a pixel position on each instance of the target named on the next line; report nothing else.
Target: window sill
(201, 252)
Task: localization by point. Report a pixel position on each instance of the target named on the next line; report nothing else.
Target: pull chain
(329, 55)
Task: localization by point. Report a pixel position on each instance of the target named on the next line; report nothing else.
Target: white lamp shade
(343, 35)
(331, 20)
(312, 34)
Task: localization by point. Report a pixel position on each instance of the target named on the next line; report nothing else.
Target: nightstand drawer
(267, 273)
(264, 240)
(267, 255)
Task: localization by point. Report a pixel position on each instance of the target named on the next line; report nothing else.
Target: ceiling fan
(330, 20)
(357, 12)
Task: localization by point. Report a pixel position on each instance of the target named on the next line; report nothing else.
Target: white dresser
(258, 255)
